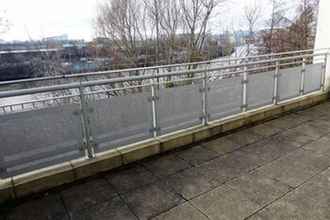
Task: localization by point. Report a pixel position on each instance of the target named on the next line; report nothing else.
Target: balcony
(242, 138)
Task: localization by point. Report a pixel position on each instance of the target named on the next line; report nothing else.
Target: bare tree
(252, 15)
(170, 23)
(122, 21)
(155, 11)
(276, 20)
(196, 17)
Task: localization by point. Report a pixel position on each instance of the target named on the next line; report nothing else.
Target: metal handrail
(140, 78)
(103, 73)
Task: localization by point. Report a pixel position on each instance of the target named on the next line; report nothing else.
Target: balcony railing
(78, 118)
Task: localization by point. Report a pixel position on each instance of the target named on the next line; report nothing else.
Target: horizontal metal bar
(136, 78)
(153, 67)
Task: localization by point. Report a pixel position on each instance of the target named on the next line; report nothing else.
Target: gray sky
(35, 19)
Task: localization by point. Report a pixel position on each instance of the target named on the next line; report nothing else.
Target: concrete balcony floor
(276, 170)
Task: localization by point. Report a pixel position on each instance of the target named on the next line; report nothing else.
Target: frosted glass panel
(289, 83)
(36, 139)
(260, 89)
(121, 120)
(179, 107)
(313, 77)
(225, 97)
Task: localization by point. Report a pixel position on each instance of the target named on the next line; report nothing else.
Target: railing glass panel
(224, 97)
(120, 120)
(289, 83)
(36, 139)
(179, 107)
(260, 89)
(313, 78)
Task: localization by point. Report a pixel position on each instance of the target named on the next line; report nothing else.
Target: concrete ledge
(45, 179)
(83, 168)
(6, 190)
(176, 140)
(139, 151)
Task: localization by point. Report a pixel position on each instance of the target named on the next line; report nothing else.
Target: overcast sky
(35, 19)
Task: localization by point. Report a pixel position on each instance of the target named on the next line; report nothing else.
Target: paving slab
(113, 209)
(294, 137)
(265, 131)
(165, 165)
(182, 212)
(314, 112)
(190, 183)
(285, 172)
(307, 159)
(259, 188)
(225, 203)
(222, 169)
(197, 155)
(48, 207)
(268, 150)
(221, 145)
(287, 121)
(310, 201)
(151, 200)
(244, 137)
(130, 178)
(311, 130)
(86, 194)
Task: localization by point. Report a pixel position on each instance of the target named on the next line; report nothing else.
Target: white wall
(323, 33)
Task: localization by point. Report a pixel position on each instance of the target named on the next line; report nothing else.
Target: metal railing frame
(155, 68)
(154, 81)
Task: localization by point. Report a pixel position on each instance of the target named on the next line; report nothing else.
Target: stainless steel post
(205, 89)
(302, 77)
(155, 129)
(244, 83)
(88, 144)
(276, 83)
(324, 70)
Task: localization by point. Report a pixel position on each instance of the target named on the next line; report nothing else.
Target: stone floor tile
(311, 130)
(265, 130)
(323, 124)
(239, 160)
(298, 205)
(294, 137)
(165, 165)
(130, 178)
(268, 150)
(182, 212)
(86, 194)
(259, 188)
(321, 146)
(114, 209)
(225, 203)
(288, 174)
(312, 113)
(229, 166)
(217, 172)
(287, 121)
(190, 183)
(317, 189)
(244, 137)
(46, 208)
(197, 155)
(307, 159)
(151, 200)
(221, 145)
